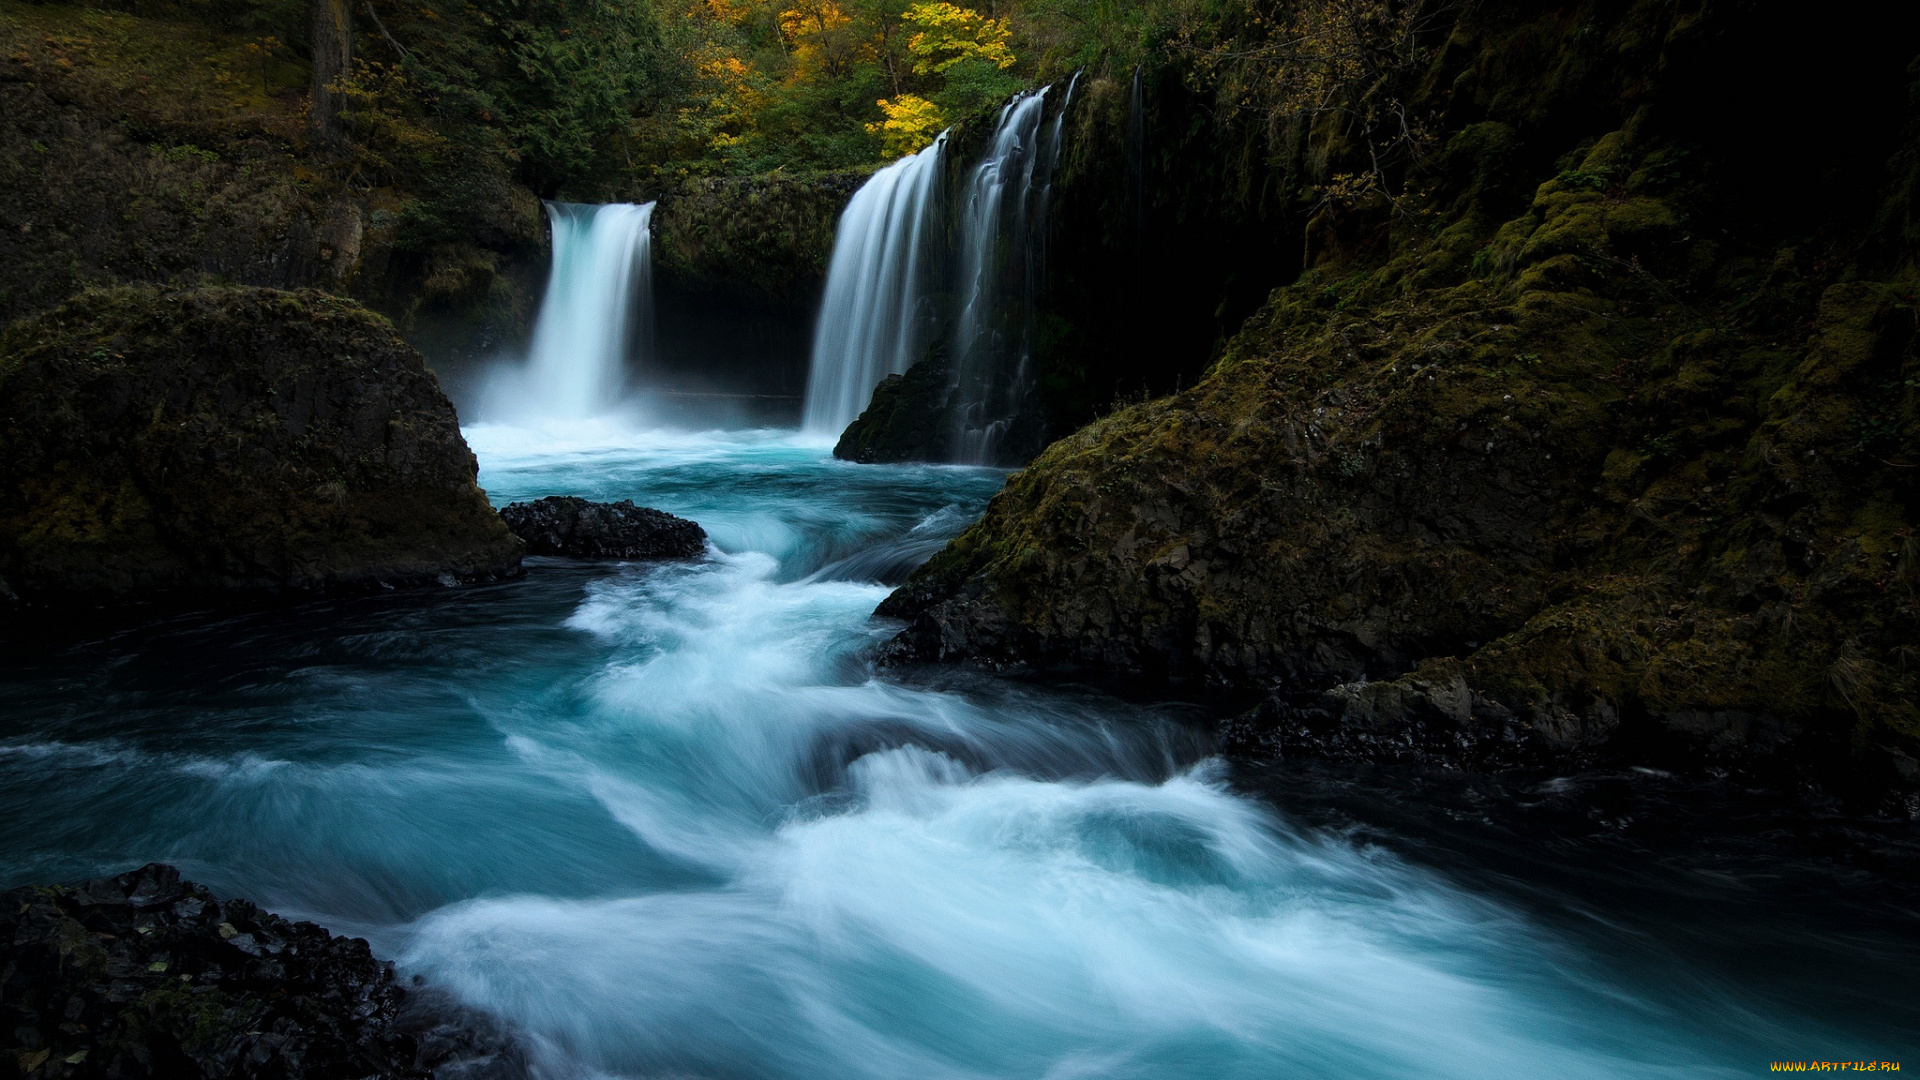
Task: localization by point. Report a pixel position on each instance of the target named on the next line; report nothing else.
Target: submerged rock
(206, 442)
(146, 975)
(564, 525)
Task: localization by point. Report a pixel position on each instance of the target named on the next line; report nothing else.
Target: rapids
(670, 821)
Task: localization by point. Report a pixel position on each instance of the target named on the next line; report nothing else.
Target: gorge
(1312, 537)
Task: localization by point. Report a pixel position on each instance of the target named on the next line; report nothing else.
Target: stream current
(668, 821)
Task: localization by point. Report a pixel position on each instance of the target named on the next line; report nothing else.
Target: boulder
(909, 418)
(564, 525)
(207, 442)
(146, 975)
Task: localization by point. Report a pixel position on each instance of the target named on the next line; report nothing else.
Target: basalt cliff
(1599, 436)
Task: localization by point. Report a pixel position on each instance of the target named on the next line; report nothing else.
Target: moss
(200, 441)
(156, 150)
(772, 235)
(1610, 463)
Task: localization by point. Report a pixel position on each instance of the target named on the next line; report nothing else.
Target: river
(668, 821)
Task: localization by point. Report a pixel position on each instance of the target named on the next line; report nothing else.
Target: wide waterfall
(597, 310)
(872, 322)
(1003, 247)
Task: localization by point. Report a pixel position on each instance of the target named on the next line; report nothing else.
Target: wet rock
(1497, 445)
(564, 525)
(909, 418)
(146, 975)
(1431, 718)
(205, 443)
(768, 237)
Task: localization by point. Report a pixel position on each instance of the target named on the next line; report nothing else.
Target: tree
(332, 44)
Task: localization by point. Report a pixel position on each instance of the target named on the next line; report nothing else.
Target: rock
(921, 416)
(764, 236)
(564, 525)
(146, 975)
(188, 445)
(909, 417)
(1429, 717)
(1637, 494)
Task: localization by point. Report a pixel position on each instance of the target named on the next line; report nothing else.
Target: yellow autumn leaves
(761, 83)
(946, 35)
(912, 122)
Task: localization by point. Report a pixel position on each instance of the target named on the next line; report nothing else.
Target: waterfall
(599, 302)
(871, 321)
(1136, 165)
(1003, 249)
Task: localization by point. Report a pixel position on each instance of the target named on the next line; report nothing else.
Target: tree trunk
(332, 60)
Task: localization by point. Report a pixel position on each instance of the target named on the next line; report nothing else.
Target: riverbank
(669, 818)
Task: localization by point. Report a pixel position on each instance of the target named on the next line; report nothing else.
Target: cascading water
(872, 321)
(598, 308)
(1136, 164)
(670, 821)
(1003, 247)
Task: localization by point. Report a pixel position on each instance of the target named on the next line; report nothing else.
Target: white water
(598, 309)
(669, 821)
(872, 320)
(997, 273)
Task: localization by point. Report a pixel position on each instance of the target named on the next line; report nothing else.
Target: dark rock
(922, 415)
(765, 236)
(1631, 492)
(909, 418)
(564, 525)
(1429, 718)
(146, 975)
(161, 445)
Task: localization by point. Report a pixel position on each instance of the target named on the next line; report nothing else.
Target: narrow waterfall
(1136, 164)
(1003, 248)
(872, 322)
(598, 306)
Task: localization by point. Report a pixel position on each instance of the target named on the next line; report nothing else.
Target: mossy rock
(188, 444)
(911, 417)
(1572, 473)
(767, 236)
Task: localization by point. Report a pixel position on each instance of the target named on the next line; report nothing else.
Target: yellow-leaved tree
(730, 91)
(948, 34)
(822, 36)
(912, 123)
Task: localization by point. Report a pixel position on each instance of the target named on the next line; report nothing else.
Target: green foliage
(551, 86)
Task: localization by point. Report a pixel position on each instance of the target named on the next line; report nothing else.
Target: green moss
(1579, 448)
(155, 443)
(770, 234)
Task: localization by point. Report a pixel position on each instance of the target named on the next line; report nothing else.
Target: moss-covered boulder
(188, 444)
(1621, 459)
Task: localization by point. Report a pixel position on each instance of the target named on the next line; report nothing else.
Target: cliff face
(1601, 437)
(739, 265)
(189, 444)
(767, 236)
(144, 150)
